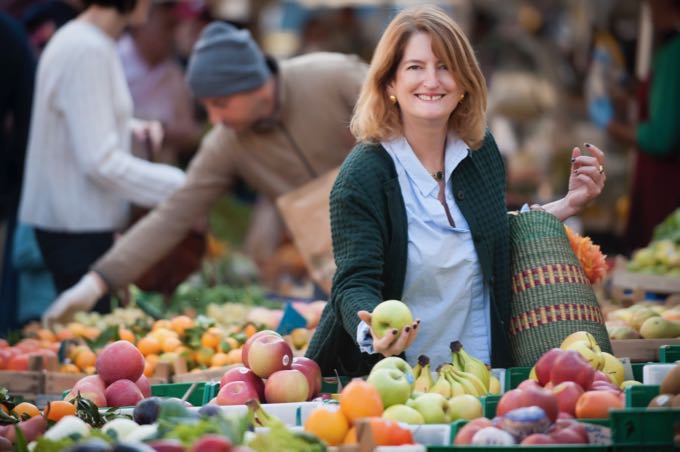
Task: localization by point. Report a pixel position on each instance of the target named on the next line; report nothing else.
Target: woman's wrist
(560, 209)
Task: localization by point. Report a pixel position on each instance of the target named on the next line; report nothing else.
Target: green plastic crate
(669, 353)
(637, 370)
(457, 425)
(196, 398)
(642, 430)
(489, 404)
(639, 396)
(210, 391)
(515, 375)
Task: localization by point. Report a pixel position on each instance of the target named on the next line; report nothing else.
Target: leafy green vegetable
(669, 229)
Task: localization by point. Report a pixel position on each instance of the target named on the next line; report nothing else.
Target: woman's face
(140, 13)
(425, 88)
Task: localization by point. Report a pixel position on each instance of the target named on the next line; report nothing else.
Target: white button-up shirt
(444, 287)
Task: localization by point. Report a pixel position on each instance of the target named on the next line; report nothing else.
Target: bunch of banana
(467, 363)
(422, 375)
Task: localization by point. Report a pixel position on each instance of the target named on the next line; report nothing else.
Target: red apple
(123, 393)
(92, 394)
(236, 393)
(242, 373)
(465, 434)
(212, 443)
(91, 381)
(312, 371)
(545, 364)
(569, 432)
(144, 386)
(563, 415)
(268, 354)
(601, 376)
(167, 445)
(567, 394)
(286, 386)
(538, 438)
(529, 384)
(604, 386)
(519, 398)
(249, 342)
(571, 366)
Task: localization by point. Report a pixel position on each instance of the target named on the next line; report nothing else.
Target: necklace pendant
(439, 175)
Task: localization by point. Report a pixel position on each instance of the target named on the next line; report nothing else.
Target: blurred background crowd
(559, 72)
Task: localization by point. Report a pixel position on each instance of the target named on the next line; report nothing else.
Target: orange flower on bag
(589, 255)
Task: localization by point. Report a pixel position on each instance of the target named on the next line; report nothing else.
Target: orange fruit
(249, 330)
(170, 344)
(388, 433)
(180, 323)
(219, 359)
(25, 409)
(85, 359)
(65, 334)
(149, 346)
(57, 409)
(91, 332)
(73, 352)
(204, 355)
(126, 335)
(360, 399)
(596, 404)
(330, 426)
(45, 335)
(149, 369)
(235, 356)
(351, 436)
(162, 323)
(4, 408)
(76, 328)
(212, 338)
(69, 369)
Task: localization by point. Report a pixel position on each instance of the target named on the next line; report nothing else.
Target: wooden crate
(27, 384)
(638, 283)
(56, 383)
(640, 350)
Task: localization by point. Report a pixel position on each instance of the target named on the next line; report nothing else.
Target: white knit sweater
(80, 175)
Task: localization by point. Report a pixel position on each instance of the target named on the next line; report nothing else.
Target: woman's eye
(412, 67)
(443, 67)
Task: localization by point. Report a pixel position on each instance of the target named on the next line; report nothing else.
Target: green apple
(388, 315)
(403, 413)
(464, 406)
(392, 386)
(433, 407)
(394, 362)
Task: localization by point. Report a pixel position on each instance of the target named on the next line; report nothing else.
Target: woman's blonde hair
(376, 118)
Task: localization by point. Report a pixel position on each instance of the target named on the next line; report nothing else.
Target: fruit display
(644, 320)
(270, 374)
(658, 258)
(669, 391)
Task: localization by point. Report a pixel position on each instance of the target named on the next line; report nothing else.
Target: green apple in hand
(392, 386)
(389, 315)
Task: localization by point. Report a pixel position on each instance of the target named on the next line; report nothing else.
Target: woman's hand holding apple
(391, 343)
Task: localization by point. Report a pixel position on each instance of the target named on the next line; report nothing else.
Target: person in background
(80, 176)
(156, 82)
(277, 126)
(655, 192)
(418, 210)
(16, 96)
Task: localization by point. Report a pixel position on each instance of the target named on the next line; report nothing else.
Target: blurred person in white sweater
(80, 176)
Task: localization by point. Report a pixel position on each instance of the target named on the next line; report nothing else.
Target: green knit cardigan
(369, 228)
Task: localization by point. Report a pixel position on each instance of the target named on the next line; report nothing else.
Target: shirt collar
(455, 151)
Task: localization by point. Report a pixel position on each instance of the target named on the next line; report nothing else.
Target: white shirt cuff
(364, 338)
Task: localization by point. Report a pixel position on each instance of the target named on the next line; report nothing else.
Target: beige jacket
(317, 93)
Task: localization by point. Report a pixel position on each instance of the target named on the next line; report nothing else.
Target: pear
(639, 317)
(659, 328)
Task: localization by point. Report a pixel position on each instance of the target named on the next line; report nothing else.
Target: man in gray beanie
(277, 126)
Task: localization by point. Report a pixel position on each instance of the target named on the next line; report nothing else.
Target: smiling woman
(418, 209)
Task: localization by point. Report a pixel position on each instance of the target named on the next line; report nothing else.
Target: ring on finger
(601, 169)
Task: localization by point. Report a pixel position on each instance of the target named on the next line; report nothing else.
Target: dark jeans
(68, 256)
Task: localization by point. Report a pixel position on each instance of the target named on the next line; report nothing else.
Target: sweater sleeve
(358, 249)
(86, 99)
(660, 134)
(210, 175)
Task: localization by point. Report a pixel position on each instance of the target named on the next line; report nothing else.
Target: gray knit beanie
(225, 61)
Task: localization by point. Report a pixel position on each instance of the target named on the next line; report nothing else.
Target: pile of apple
(566, 386)
(270, 374)
(120, 379)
